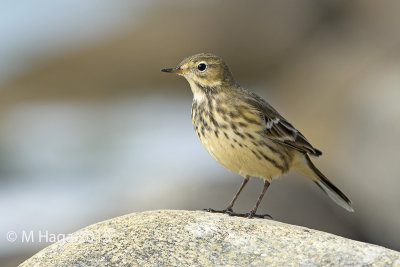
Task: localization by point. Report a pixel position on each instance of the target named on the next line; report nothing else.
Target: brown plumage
(243, 132)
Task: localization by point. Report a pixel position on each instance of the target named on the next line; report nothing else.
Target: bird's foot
(253, 214)
(227, 211)
(249, 215)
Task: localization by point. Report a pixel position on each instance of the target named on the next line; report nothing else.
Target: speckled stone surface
(197, 238)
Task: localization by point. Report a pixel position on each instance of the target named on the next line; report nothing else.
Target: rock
(171, 238)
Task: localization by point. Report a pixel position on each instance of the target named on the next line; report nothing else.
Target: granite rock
(198, 238)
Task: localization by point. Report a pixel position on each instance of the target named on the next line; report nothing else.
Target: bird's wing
(278, 129)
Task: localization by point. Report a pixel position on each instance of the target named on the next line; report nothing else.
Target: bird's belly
(244, 157)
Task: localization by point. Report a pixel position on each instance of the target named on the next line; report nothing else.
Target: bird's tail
(330, 189)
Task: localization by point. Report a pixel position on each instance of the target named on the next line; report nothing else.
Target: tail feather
(335, 194)
(330, 189)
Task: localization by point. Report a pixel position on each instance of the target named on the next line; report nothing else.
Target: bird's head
(203, 70)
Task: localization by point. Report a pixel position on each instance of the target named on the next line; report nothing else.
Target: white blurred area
(84, 162)
(91, 129)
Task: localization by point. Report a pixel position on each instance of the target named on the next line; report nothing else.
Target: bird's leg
(252, 213)
(228, 209)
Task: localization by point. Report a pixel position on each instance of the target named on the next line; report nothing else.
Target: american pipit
(244, 133)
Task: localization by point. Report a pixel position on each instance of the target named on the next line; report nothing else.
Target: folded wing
(278, 129)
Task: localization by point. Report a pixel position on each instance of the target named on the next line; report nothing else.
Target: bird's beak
(176, 70)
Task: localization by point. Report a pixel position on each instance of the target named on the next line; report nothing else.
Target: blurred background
(91, 129)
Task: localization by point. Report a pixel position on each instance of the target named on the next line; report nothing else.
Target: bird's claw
(230, 212)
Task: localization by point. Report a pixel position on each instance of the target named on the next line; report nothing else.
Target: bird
(244, 133)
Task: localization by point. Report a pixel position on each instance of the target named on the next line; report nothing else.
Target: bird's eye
(202, 66)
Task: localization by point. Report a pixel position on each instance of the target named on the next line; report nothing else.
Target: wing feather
(278, 129)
